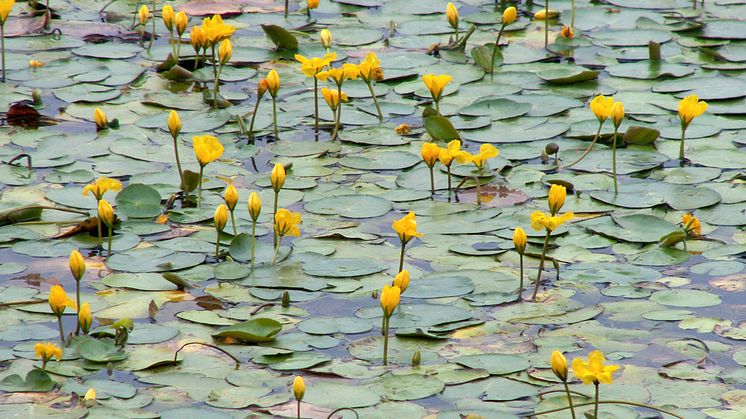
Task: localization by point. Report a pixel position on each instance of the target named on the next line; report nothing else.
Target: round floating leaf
(254, 331)
(439, 287)
(350, 206)
(685, 298)
(342, 268)
(139, 201)
(100, 351)
(334, 395)
(495, 364)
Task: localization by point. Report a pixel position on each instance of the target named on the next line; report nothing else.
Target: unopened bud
(286, 299)
(416, 359)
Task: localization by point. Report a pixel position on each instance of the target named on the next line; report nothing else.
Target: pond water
(661, 302)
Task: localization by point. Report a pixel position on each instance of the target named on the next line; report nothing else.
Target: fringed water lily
(46, 351)
(452, 17)
(370, 71)
(429, 153)
(77, 269)
(436, 85)
(207, 149)
(519, 242)
(326, 38)
(567, 32)
(99, 117)
(98, 189)
(90, 395)
(277, 178)
(401, 280)
(143, 15)
(617, 116)
(601, 108)
(255, 208)
(389, 299)
(559, 368)
(106, 215)
(689, 108)
(220, 219)
(58, 302)
(338, 76)
(181, 22)
(548, 222)
(406, 229)
(311, 67)
(486, 152)
(85, 319)
(286, 224)
(174, 127)
(231, 199)
(299, 390)
(594, 371)
(556, 198)
(273, 86)
(510, 14)
(5, 7)
(692, 226)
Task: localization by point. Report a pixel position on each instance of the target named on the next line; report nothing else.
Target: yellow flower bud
(299, 388)
(312, 4)
(100, 118)
(77, 265)
(197, 38)
(519, 240)
(225, 51)
(169, 17)
(90, 394)
(106, 213)
(84, 317)
(401, 280)
(544, 14)
(261, 87)
(617, 113)
(509, 15)
(231, 197)
(389, 299)
(174, 123)
(58, 300)
(221, 217)
(255, 206)
(557, 194)
(181, 23)
(143, 14)
(429, 152)
(452, 15)
(278, 177)
(559, 365)
(5, 6)
(273, 82)
(326, 38)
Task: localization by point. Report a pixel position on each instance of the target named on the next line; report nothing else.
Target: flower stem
(401, 258)
(62, 332)
(375, 100)
(233, 223)
(199, 192)
(613, 158)
(645, 406)
(449, 182)
(178, 160)
(253, 117)
(572, 14)
(286, 8)
(178, 49)
(253, 239)
(338, 114)
(274, 225)
(98, 224)
(588, 150)
(274, 116)
(299, 400)
(152, 35)
(432, 182)
(494, 49)
(77, 301)
(520, 289)
(595, 408)
(437, 106)
(546, 23)
(111, 234)
(277, 248)
(569, 400)
(681, 145)
(2, 47)
(217, 244)
(316, 106)
(386, 340)
(541, 264)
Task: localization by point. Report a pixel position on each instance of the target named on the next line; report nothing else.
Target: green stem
(595, 408)
(152, 35)
(432, 181)
(2, 47)
(587, 150)
(455, 31)
(274, 116)
(286, 8)
(681, 145)
(199, 190)
(316, 106)
(401, 258)
(569, 400)
(77, 301)
(541, 264)
(217, 245)
(216, 88)
(449, 182)
(111, 234)
(277, 196)
(233, 223)
(546, 23)
(572, 14)
(253, 238)
(98, 224)
(437, 106)
(375, 100)
(645, 406)
(253, 117)
(308, 12)
(337, 114)
(277, 248)
(520, 289)
(62, 332)
(494, 48)
(386, 340)
(309, 15)
(178, 160)
(178, 50)
(613, 159)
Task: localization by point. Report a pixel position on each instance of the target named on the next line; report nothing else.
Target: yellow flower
(277, 177)
(406, 228)
(99, 117)
(452, 15)
(429, 153)
(231, 197)
(168, 15)
(326, 38)
(106, 213)
(299, 388)
(509, 15)
(454, 149)
(225, 51)
(617, 113)
(90, 394)
(101, 185)
(35, 64)
(540, 220)
(5, 6)
(273, 82)
(313, 66)
(58, 300)
(215, 30)
(47, 351)
(286, 223)
(221, 217)
(567, 32)
(689, 108)
(401, 280)
(339, 75)
(370, 68)
(174, 123)
(262, 87)
(255, 206)
(543, 14)
(389, 299)
(601, 107)
(559, 365)
(85, 319)
(312, 4)
(77, 265)
(143, 14)
(486, 151)
(207, 149)
(593, 371)
(332, 98)
(691, 224)
(181, 23)
(198, 39)
(556, 199)
(519, 240)
(436, 84)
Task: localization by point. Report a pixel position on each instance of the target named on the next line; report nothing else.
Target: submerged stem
(588, 150)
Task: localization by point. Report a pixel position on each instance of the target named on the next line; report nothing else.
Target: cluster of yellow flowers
(432, 153)
(593, 371)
